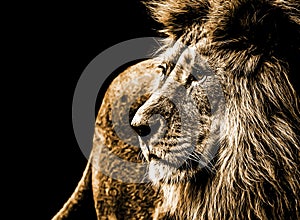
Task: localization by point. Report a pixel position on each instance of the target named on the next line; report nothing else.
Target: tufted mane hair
(254, 47)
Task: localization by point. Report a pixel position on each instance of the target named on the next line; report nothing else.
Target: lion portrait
(215, 115)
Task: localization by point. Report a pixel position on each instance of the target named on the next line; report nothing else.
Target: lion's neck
(182, 199)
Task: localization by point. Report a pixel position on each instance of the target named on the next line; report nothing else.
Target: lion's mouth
(145, 149)
(150, 153)
(167, 168)
(159, 157)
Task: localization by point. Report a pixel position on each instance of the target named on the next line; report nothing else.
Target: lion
(227, 143)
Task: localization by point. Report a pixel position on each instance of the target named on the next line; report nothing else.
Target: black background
(50, 45)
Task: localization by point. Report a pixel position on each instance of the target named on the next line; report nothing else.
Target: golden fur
(253, 48)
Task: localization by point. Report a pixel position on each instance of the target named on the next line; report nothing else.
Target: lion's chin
(167, 168)
(163, 173)
(159, 171)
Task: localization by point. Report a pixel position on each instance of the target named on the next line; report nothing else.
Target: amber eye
(203, 79)
(201, 75)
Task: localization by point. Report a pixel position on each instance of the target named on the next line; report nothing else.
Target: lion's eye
(200, 75)
(202, 79)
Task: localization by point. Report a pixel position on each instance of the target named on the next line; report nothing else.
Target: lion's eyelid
(202, 80)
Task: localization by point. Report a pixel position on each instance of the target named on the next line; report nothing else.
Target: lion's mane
(253, 47)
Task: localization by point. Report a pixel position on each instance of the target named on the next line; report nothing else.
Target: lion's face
(179, 116)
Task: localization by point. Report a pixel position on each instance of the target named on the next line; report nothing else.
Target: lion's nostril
(142, 130)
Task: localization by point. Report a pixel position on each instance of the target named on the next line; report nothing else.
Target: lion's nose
(140, 121)
(142, 130)
(140, 124)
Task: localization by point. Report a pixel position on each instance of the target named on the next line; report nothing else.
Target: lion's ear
(269, 27)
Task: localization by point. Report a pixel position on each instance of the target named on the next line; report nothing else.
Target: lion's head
(226, 144)
(184, 138)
